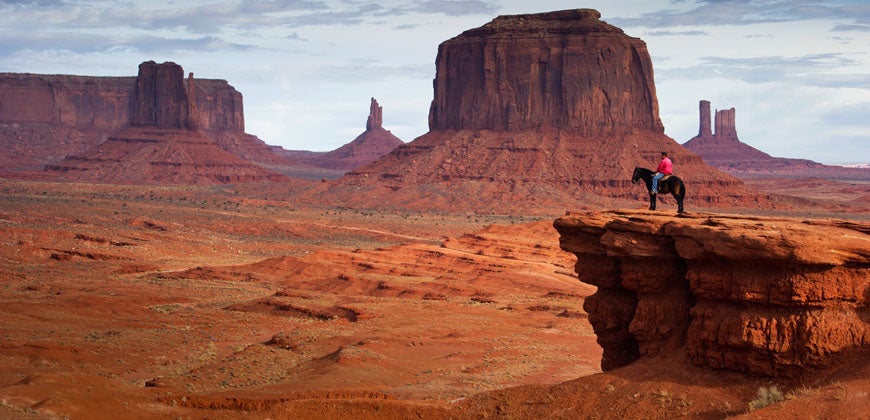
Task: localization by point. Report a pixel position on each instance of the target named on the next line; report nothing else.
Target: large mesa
(162, 144)
(536, 113)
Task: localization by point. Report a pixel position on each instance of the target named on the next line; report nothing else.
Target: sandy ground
(232, 302)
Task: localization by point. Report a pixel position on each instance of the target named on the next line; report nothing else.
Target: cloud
(809, 70)
(750, 12)
(456, 7)
(296, 37)
(91, 43)
(677, 33)
(356, 71)
(32, 3)
(851, 28)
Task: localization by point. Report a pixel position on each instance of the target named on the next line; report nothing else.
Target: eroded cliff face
(563, 70)
(767, 296)
(163, 144)
(44, 118)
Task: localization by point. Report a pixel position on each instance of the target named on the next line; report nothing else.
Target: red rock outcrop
(768, 296)
(537, 112)
(44, 118)
(161, 98)
(162, 144)
(564, 70)
(724, 150)
(369, 146)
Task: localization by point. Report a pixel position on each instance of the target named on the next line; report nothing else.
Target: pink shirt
(665, 167)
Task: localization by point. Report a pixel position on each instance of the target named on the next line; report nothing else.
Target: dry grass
(766, 396)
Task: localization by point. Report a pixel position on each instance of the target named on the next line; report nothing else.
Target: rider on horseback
(666, 167)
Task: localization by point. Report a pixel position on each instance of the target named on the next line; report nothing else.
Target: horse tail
(681, 188)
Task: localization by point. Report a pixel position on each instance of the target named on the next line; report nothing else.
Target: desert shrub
(767, 395)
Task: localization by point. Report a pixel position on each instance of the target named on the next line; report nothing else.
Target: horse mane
(643, 171)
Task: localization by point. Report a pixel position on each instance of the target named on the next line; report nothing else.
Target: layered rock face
(162, 144)
(768, 296)
(44, 118)
(724, 150)
(369, 146)
(564, 70)
(539, 112)
(161, 98)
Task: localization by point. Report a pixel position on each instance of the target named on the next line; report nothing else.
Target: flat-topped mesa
(376, 116)
(160, 98)
(565, 70)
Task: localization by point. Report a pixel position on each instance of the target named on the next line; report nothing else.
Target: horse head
(636, 176)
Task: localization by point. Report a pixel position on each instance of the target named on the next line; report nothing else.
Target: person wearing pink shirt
(666, 167)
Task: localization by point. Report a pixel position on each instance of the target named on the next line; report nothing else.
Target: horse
(672, 184)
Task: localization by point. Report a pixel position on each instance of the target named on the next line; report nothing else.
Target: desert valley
(157, 261)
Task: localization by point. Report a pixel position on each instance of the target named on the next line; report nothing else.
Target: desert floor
(233, 302)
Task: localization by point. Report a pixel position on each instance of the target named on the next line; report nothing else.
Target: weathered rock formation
(162, 144)
(161, 98)
(539, 111)
(564, 70)
(369, 146)
(44, 118)
(724, 150)
(768, 296)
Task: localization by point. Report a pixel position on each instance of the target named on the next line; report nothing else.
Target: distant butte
(373, 143)
(536, 112)
(724, 150)
(46, 118)
(162, 144)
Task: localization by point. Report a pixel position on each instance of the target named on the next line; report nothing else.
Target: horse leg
(652, 201)
(679, 204)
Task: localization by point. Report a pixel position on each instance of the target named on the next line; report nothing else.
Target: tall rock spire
(376, 116)
(704, 130)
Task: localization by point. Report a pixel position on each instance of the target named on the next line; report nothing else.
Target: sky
(796, 71)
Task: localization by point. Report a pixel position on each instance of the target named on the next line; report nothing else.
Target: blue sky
(797, 72)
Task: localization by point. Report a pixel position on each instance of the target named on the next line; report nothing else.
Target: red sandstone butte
(537, 112)
(45, 118)
(777, 297)
(162, 144)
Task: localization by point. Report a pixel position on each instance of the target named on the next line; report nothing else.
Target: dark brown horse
(669, 185)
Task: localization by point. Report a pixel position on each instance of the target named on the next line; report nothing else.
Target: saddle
(665, 178)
